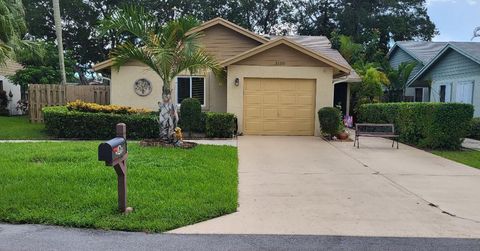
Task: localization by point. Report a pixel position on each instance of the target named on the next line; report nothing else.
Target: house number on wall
(142, 87)
(279, 62)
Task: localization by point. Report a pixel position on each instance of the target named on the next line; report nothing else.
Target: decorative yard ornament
(142, 87)
(178, 137)
(476, 32)
(168, 118)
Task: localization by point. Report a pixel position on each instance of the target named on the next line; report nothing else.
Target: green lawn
(18, 127)
(64, 184)
(467, 157)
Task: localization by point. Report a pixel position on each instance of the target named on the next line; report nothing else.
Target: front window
(191, 87)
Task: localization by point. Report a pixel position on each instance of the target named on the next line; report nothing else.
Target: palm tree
(58, 31)
(12, 27)
(399, 78)
(167, 49)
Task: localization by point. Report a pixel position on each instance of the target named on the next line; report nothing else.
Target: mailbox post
(115, 153)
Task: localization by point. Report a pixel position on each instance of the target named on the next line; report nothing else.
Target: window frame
(190, 77)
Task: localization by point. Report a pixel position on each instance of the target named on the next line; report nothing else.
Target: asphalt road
(39, 237)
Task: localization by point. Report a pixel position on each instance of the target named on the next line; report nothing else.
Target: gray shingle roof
(422, 50)
(323, 46)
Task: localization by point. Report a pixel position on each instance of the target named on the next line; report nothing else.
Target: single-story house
(8, 69)
(274, 85)
(449, 72)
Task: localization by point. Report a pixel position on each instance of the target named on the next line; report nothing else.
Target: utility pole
(58, 31)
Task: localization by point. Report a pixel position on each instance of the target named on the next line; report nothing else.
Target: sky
(455, 19)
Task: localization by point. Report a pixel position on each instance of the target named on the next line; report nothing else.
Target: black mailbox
(112, 150)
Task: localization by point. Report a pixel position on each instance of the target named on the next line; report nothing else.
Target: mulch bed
(161, 143)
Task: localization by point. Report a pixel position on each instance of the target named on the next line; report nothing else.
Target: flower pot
(342, 136)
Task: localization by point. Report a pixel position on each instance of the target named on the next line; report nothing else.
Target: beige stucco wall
(122, 92)
(322, 75)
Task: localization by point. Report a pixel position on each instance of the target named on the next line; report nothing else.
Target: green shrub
(475, 129)
(330, 120)
(190, 114)
(81, 106)
(62, 123)
(427, 125)
(219, 124)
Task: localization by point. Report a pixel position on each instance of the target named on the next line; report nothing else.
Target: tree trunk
(58, 31)
(168, 116)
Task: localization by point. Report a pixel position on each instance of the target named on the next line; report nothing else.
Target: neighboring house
(274, 86)
(448, 71)
(420, 52)
(8, 69)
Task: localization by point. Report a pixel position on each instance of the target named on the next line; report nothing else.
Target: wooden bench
(375, 130)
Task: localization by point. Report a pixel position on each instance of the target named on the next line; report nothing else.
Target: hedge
(427, 125)
(62, 123)
(475, 129)
(219, 125)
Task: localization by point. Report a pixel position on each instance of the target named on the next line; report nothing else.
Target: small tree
(190, 114)
(168, 49)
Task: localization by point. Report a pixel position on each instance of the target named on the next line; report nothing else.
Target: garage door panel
(287, 99)
(286, 106)
(270, 113)
(253, 100)
(253, 113)
(270, 99)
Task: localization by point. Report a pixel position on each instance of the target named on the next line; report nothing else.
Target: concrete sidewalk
(304, 186)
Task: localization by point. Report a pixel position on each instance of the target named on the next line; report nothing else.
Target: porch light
(237, 82)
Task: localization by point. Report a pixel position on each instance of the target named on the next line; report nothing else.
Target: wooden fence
(40, 96)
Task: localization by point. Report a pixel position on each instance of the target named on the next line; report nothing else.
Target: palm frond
(131, 19)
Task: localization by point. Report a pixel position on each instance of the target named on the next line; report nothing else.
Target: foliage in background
(12, 27)
(330, 119)
(81, 106)
(475, 129)
(398, 81)
(364, 21)
(190, 114)
(427, 125)
(371, 88)
(62, 123)
(219, 124)
(42, 68)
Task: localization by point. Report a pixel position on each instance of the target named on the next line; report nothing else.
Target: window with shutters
(191, 87)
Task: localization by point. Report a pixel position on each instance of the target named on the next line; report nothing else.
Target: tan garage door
(279, 106)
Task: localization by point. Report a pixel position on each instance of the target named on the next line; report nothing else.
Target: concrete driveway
(304, 185)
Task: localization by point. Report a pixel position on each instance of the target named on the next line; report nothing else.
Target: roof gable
(292, 45)
(229, 25)
(438, 58)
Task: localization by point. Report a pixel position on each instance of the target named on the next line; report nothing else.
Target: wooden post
(121, 170)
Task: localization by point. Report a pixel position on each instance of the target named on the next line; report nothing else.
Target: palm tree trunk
(168, 116)
(58, 31)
